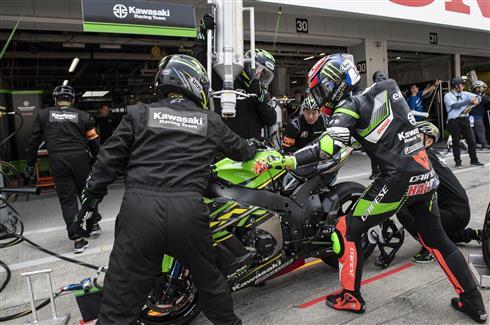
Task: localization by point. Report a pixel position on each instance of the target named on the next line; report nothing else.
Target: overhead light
(398, 57)
(110, 46)
(65, 83)
(95, 93)
(74, 45)
(294, 82)
(73, 64)
(322, 54)
(151, 87)
(309, 58)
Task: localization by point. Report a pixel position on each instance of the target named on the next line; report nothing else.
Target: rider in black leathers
(380, 119)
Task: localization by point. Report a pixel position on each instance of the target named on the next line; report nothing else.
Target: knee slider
(337, 243)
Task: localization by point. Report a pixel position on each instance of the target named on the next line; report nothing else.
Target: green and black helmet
(182, 74)
(265, 66)
(309, 104)
(428, 128)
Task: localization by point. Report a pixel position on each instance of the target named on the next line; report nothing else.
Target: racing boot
(471, 303)
(347, 300)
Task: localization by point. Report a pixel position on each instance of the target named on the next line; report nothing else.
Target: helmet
(428, 128)
(265, 65)
(64, 92)
(477, 84)
(457, 81)
(184, 75)
(309, 104)
(378, 76)
(332, 78)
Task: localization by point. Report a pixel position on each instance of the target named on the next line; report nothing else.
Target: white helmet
(477, 84)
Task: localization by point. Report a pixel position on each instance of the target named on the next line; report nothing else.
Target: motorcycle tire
(486, 238)
(184, 317)
(349, 192)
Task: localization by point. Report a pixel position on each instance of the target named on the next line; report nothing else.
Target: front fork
(173, 268)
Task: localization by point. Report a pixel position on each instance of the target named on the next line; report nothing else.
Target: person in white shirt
(458, 106)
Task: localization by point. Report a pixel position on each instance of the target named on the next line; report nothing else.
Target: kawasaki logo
(121, 11)
(264, 274)
(64, 116)
(153, 12)
(407, 134)
(162, 117)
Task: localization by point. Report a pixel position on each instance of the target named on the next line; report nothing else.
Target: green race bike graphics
(262, 226)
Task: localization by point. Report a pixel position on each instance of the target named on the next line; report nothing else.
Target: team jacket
(299, 133)
(450, 193)
(65, 130)
(167, 146)
(380, 119)
(251, 115)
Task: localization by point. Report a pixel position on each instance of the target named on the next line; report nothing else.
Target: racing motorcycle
(262, 225)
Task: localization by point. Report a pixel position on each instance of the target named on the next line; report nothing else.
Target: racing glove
(261, 94)
(207, 23)
(28, 172)
(287, 162)
(87, 215)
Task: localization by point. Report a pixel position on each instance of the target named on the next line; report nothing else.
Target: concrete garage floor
(402, 294)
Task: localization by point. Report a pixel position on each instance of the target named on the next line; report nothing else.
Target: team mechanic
(380, 119)
(67, 132)
(305, 128)
(255, 113)
(166, 149)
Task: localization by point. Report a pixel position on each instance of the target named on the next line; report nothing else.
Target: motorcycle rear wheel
(349, 193)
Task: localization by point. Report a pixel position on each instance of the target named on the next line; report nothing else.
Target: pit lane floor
(404, 293)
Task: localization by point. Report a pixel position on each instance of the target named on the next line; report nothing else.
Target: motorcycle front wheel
(171, 302)
(348, 194)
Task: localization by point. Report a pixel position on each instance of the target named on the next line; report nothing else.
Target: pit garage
(49, 47)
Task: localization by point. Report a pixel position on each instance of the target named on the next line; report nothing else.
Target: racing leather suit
(166, 149)
(70, 135)
(380, 119)
(452, 201)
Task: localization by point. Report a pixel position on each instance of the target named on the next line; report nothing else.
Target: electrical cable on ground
(18, 238)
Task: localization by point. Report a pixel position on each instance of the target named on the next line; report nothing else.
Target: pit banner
(138, 17)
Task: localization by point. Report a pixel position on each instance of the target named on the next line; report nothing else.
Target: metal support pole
(441, 111)
(33, 303)
(252, 35)
(209, 68)
(51, 295)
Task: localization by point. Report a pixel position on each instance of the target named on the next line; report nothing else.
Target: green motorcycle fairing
(243, 174)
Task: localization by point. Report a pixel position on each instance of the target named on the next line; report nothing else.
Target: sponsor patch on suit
(60, 116)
